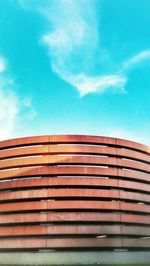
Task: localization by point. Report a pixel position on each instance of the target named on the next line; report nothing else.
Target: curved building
(74, 199)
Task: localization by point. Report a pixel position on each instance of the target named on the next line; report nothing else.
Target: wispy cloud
(2, 64)
(135, 60)
(9, 109)
(88, 84)
(75, 48)
(74, 44)
(13, 109)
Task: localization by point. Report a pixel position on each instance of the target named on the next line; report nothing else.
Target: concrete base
(75, 258)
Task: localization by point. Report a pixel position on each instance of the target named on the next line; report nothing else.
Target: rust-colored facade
(74, 193)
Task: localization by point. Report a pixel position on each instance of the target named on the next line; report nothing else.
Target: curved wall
(74, 193)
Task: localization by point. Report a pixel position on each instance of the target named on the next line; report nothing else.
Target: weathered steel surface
(59, 217)
(74, 170)
(74, 160)
(72, 243)
(50, 205)
(73, 150)
(81, 230)
(71, 182)
(72, 192)
(71, 217)
(80, 139)
(65, 193)
(61, 230)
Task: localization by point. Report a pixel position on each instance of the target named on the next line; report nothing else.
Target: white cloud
(99, 84)
(74, 46)
(2, 65)
(15, 113)
(136, 59)
(9, 110)
(9, 103)
(87, 84)
(13, 110)
(9, 107)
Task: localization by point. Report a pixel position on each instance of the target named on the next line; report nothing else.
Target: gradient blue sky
(75, 67)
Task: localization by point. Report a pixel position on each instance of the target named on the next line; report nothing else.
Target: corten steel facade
(68, 194)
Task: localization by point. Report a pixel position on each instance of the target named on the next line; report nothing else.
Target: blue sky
(75, 67)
